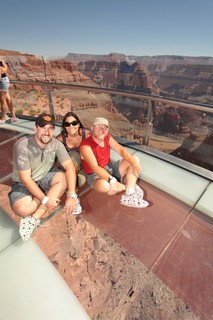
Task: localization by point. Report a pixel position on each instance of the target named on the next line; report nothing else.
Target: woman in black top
(71, 135)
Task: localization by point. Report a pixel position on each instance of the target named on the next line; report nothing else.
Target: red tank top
(102, 154)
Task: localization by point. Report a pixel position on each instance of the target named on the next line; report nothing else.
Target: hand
(137, 168)
(52, 203)
(71, 204)
(116, 187)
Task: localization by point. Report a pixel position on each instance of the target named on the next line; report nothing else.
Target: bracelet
(112, 180)
(72, 195)
(44, 201)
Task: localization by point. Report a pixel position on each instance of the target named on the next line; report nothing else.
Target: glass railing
(181, 129)
(180, 219)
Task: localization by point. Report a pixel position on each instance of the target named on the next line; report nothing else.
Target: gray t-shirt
(27, 154)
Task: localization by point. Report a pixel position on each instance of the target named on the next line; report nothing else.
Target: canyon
(184, 78)
(106, 278)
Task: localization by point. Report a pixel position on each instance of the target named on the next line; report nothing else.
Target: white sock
(130, 191)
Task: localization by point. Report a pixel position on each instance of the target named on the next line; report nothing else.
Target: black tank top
(3, 75)
(74, 148)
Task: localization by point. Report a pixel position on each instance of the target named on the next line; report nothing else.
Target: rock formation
(189, 78)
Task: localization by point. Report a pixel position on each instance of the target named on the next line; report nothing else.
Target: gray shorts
(112, 168)
(19, 191)
(4, 84)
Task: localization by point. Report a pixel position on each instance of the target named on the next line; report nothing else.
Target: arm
(35, 191)
(23, 168)
(31, 185)
(112, 185)
(71, 177)
(125, 154)
(4, 67)
(89, 157)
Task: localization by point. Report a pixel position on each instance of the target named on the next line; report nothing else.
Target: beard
(45, 139)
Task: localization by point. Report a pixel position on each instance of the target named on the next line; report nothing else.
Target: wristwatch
(112, 179)
(72, 195)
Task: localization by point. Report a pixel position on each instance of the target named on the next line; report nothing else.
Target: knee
(136, 159)
(101, 186)
(21, 209)
(3, 101)
(61, 179)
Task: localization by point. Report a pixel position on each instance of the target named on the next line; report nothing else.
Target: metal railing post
(51, 105)
(149, 125)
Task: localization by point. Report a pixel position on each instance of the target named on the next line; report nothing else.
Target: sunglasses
(73, 123)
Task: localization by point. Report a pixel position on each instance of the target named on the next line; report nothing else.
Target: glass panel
(186, 266)
(165, 238)
(178, 182)
(204, 205)
(181, 131)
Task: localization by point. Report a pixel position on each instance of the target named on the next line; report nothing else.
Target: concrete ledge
(178, 182)
(8, 230)
(31, 288)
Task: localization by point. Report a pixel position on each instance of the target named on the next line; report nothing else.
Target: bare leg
(103, 186)
(127, 171)
(27, 206)
(10, 105)
(57, 189)
(3, 95)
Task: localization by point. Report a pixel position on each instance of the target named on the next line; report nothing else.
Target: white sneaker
(2, 121)
(78, 210)
(134, 201)
(130, 191)
(27, 226)
(13, 119)
(136, 190)
(10, 120)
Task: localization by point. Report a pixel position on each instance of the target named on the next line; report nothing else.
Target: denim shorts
(4, 84)
(112, 168)
(19, 191)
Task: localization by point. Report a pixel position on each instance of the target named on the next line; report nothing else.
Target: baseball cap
(44, 119)
(100, 120)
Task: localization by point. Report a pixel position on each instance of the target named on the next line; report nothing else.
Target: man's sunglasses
(73, 123)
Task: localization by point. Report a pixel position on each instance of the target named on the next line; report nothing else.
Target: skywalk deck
(122, 262)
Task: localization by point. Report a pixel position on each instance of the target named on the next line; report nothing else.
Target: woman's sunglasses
(73, 123)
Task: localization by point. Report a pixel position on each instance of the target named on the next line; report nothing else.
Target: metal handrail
(182, 103)
(148, 130)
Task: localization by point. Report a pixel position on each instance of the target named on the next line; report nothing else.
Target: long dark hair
(71, 114)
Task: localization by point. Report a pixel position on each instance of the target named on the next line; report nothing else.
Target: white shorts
(4, 84)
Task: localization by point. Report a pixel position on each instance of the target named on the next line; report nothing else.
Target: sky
(52, 28)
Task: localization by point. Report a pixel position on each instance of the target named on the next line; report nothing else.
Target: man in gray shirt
(37, 185)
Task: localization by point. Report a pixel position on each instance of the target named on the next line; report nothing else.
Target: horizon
(105, 54)
(139, 28)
